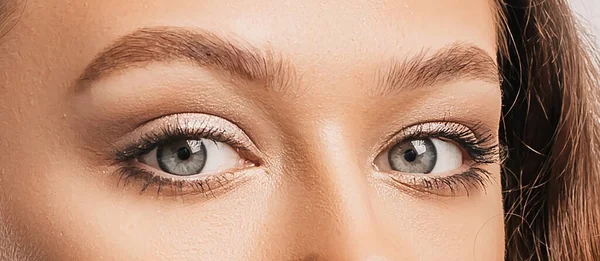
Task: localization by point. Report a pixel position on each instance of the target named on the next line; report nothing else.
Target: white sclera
(219, 157)
(449, 156)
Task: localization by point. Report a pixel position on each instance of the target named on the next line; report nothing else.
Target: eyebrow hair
(163, 44)
(456, 61)
(245, 62)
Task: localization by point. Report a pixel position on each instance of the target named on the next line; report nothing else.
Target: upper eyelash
(149, 141)
(479, 144)
(481, 148)
(164, 134)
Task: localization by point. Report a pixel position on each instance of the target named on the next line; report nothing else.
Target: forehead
(327, 33)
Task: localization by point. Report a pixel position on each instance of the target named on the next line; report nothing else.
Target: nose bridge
(337, 171)
(343, 176)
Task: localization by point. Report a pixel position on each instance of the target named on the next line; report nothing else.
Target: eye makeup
(477, 147)
(177, 126)
(132, 153)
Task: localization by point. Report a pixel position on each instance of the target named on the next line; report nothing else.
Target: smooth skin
(315, 194)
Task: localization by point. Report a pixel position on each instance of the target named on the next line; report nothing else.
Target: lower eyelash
(473, 179)
(149, 180)
(478, 144)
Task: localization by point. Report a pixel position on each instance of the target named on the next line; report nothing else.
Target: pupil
(410, 155)
(184, 153)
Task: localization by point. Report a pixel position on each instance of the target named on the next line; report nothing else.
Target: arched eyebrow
(164, 44)
(202, 48)
(455, 62)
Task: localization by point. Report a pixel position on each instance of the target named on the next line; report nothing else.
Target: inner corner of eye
(381, 162)
(246, 163)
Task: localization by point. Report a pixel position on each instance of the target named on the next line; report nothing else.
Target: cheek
(440, 227)
(70, 216)
(68, 211)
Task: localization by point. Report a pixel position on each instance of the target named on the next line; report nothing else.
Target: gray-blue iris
(415, 156)
(182, 157)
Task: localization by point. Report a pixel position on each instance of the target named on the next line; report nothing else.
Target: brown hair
(550, 125)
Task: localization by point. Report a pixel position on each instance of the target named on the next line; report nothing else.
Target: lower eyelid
(161, 174)
(242, 165)
(453, 184)
(144, 180)
(143, 141)
(465, 166)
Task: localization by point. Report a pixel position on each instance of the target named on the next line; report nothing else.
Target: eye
(187, 157)
(423, 156)
(441, 158)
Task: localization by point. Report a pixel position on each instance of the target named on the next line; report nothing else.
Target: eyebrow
(205, 49)
(458, 61)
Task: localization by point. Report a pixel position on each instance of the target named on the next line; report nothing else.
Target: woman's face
(251, 130)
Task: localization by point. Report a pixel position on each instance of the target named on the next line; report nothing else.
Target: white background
(589, 12)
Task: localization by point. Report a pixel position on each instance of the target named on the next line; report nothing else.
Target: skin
(313, 194)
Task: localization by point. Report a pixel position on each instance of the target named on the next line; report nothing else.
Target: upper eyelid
(440, 127)
(192, 122)
(426, 129)
(207, 121)
(437, 126)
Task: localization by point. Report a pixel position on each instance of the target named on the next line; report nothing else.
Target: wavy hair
(551, 128)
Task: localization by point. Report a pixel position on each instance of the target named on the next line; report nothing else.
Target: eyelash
(164, 135)
(481, 150)
(149, 179)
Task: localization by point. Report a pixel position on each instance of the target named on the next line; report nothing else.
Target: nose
(329, 204)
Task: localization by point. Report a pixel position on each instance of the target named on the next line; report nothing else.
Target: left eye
(423, 156)
(187, 157)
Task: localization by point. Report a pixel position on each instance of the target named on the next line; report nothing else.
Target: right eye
(188, 157)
